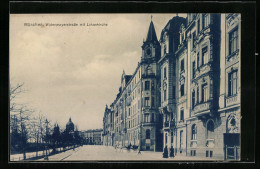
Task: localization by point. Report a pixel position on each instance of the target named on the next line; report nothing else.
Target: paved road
(104, 153)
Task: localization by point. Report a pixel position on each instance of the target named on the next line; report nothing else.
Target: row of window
(134, 93)
(134, 122)
(209, 134)
(200, 26)
(209, 131)
(181, 116)
(205, 22)
(165, 89)
(134, 108)
(134, 135)
(149, 118)
(200, 60)
(204, 95)
(134, 80)
(232, 89)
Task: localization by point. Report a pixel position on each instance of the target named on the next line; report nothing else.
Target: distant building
(108, 127)
(70, 126)
(92, 137)
(185, 91)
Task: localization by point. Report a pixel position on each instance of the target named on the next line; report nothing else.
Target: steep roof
(173, 25)
(151, 35)
(127, 78)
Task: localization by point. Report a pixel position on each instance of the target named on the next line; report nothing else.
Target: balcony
(148, 75)
(235, 53)
(148, 123)
(168, 124)
(180, 122)
(202, 107)
(231, 100)
(203, 69)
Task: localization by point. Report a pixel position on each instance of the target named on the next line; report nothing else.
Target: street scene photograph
(125, 87)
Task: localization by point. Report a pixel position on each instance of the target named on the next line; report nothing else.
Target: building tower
(70, 126)
(151, 137)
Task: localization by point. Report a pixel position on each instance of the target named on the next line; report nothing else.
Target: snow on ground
(106, 153)
(19, 157)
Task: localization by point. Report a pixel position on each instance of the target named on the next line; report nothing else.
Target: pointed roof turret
(151, 35)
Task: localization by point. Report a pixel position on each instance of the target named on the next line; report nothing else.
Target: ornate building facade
(92, 137)
(108, 127)
(185, 92)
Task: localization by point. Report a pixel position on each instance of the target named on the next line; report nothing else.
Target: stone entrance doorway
(232, 146)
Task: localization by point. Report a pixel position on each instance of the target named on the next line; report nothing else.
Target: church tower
(151, 118)
(151, 46)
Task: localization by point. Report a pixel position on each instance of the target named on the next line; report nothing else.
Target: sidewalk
(60, 156)
(159, 156)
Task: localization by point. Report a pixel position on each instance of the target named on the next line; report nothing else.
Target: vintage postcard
(125, 87)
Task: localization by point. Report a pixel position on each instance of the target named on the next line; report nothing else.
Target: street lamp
(46, 153)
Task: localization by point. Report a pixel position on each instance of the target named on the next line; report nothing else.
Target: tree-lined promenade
(33, 134)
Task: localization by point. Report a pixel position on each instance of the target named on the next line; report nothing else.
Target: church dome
(70, 125)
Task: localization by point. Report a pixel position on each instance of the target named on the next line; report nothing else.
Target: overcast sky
(75, 71)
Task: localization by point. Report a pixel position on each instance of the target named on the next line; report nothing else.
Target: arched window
(147, 134)
(210, 129)
(194, 132)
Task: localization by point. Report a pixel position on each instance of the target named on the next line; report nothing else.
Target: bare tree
(14, 92)
(19, 119)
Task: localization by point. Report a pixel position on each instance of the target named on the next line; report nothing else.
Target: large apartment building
(185, 92)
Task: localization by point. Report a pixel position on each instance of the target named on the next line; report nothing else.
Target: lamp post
(46, 153)
(23, 136)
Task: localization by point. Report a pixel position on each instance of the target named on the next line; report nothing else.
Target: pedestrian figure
(165, 152)
(139, 152)
(171, 152)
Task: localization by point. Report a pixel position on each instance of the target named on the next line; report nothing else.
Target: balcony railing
(203, 69)
(202, 107)
(168, 124)
(231, 100)
(235, 53)
(148, 75)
